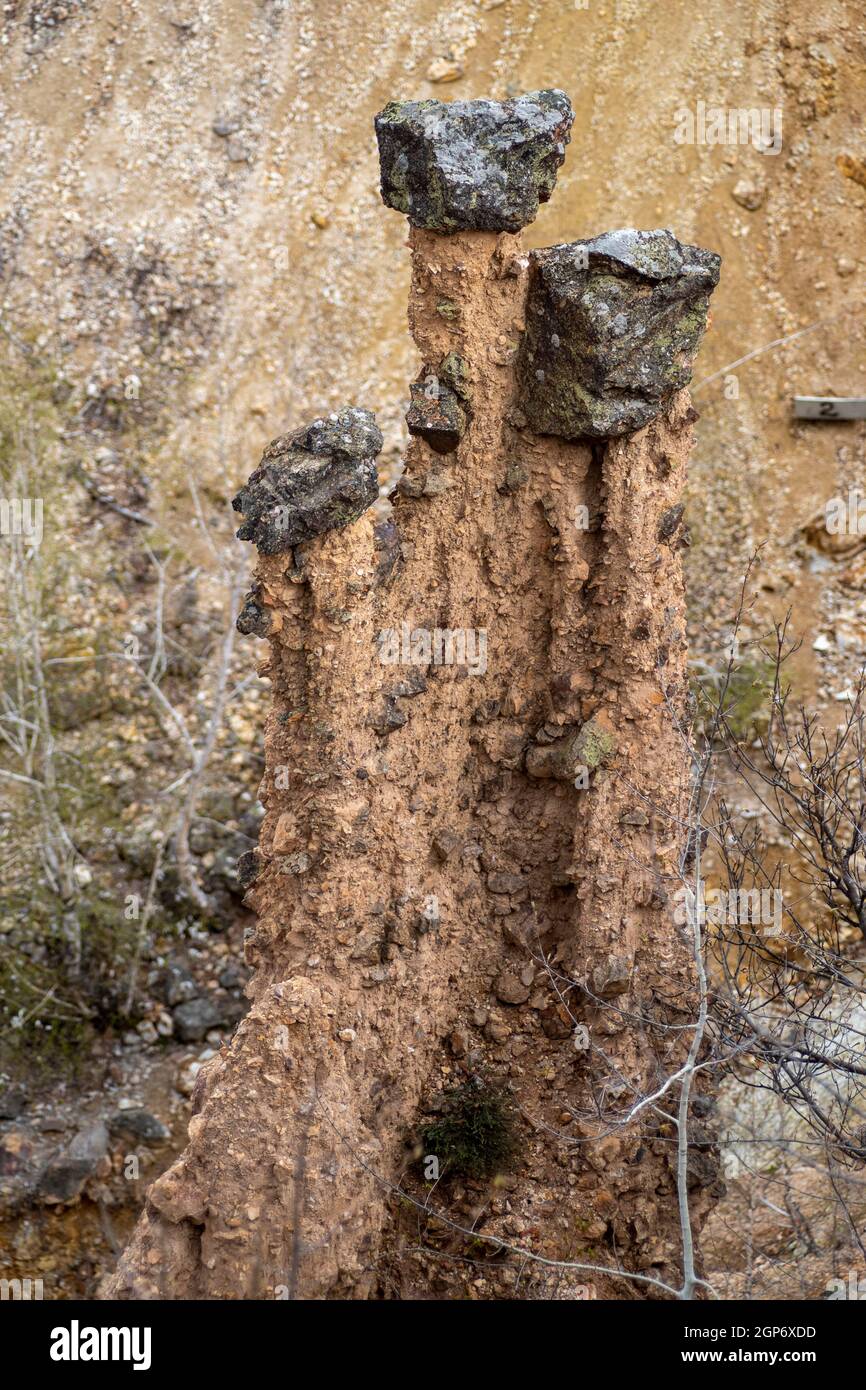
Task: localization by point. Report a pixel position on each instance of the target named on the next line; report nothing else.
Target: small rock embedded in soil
(670, 521)
(388, 718)
(612, 328)
(188, 1073)
(472, 165)
(254, 620)
(248, 868)
(445, 843)
(318, 479)
(506, 883)
(510, 988)
(749, 195)
(588, 747)
(611, 978)
(435, 414)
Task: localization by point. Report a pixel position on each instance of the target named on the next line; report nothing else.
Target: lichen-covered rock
(583, 749)
(453, 370)
(595, 744)
(472, 165)
(317, 479)
(612, 329)
(435, 414)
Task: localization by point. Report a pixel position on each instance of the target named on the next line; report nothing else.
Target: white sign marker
(830, 407)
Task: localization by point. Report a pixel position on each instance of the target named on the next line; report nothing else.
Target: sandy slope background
(194, 252)
(108, 145)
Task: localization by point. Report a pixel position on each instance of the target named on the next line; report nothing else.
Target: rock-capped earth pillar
(474, 771)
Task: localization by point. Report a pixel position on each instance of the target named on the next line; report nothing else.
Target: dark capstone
(139, 1124)
(435, 413)
(318, 479)
(472, 165)
(612, 329)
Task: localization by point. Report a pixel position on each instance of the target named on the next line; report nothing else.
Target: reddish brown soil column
(473, 762)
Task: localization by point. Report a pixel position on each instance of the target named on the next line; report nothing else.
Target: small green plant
(475, 1132)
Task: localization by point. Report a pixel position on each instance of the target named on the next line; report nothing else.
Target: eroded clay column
(405, 665)
(613, 325)
(473, 765)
